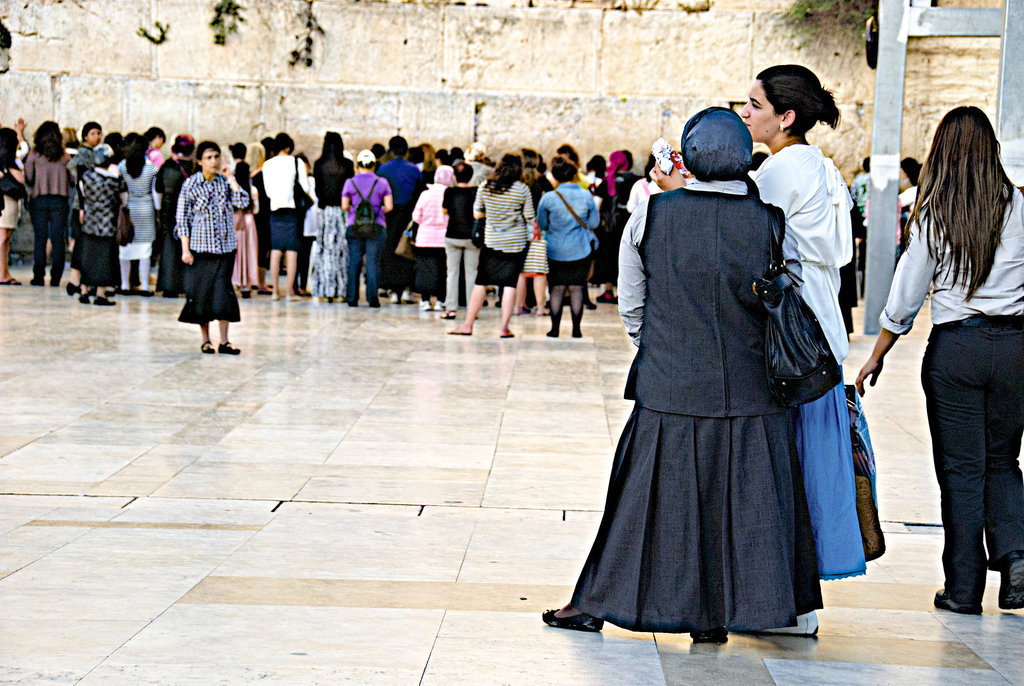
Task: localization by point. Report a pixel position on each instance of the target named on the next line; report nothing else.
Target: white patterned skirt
(331, 254)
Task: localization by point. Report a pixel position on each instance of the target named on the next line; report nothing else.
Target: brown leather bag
(125, 232)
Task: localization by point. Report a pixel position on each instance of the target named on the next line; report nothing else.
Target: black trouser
(49, 221)
(973, 380)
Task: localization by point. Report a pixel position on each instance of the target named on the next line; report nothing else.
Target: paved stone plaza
(361, 499)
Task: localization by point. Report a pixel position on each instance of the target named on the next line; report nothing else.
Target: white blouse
(279, 180)
(809, 188)
(918, 272)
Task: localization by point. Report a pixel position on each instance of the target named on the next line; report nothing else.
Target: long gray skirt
(705, 525)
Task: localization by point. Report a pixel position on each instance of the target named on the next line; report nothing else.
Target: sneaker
(407, 297)
(394, 299)
(607, 298)
(425, 306)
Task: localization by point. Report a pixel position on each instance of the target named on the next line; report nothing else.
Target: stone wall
(512, 73)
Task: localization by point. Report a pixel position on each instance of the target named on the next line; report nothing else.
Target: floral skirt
(331, 260)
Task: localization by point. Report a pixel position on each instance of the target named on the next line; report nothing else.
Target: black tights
(575, 309)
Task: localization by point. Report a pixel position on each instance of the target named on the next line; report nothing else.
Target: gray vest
(702, 340)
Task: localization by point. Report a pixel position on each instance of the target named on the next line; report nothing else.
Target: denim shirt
(567, 240)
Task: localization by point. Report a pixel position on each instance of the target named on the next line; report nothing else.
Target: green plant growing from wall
(828, 20)
(227, 15)
(303, 52)
(161, 33)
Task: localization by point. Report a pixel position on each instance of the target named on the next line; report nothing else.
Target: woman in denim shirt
(571, 240)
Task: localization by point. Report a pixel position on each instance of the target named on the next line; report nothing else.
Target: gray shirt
(919, 273)
(632, 284)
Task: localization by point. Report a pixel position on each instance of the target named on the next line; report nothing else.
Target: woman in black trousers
(967, 249)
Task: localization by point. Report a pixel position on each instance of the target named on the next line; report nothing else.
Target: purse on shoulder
(302, 200)
(125, 232)
(799, 362)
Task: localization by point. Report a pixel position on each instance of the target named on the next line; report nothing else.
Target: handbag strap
(777, 224)
(572, 211)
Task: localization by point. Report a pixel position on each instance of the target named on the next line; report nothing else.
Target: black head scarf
(717, 145)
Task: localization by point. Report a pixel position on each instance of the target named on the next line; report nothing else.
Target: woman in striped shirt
(507, 205)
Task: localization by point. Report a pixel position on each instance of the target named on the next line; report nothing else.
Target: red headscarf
(617, 162)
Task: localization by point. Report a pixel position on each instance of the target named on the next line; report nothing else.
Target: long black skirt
(170, 278)
(208, 290)
(98, 255)
(396, 273)
(705, 525)
(430, 272)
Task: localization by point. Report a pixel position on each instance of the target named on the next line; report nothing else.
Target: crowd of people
(408, 224)
(726, 508)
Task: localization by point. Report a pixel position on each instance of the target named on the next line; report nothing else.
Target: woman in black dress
(706, 525)
(170, 279)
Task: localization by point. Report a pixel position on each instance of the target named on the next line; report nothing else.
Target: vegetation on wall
(5, 37)
(157, 39)
(227, 15)
(303, 52)
(829, 20)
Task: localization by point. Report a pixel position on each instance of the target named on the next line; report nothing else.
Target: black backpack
(364, 223)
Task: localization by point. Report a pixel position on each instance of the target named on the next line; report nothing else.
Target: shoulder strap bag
(301, 198)
(800, 365)
(572, 211)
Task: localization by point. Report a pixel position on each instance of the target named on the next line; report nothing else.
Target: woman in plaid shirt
(205, 226)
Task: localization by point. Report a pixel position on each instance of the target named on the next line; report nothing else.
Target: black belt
(981, 320)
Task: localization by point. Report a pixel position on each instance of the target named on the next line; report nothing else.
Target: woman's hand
(872, 368)
(186, 257)
(668, 182)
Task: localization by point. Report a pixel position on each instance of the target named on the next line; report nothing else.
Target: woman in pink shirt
(429, 280)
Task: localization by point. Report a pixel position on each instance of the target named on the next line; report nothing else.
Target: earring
(782, 127)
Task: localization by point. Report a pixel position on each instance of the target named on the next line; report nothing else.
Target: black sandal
(580, 622)
(718, 635)
(227, 349)
(207, 348)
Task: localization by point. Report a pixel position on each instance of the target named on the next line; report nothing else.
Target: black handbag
(479, 226)
(302, 200)
(798, 359)
(10, 187)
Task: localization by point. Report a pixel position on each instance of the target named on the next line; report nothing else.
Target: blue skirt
(826, 458)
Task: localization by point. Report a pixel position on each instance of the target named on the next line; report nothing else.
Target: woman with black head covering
(330, 173)
(705, 526)
(170, 279)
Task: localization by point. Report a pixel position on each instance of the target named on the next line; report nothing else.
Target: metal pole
(1010, 110)
(886, 137)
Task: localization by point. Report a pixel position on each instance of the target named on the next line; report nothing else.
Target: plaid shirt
(205, 214)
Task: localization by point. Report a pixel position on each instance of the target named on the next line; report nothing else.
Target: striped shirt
(509, 215)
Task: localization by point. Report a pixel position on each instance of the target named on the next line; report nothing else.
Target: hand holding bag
(798, 359)
(406, 243)
(125, 232)
(536, 263)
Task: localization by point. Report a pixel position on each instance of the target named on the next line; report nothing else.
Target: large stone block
(442, 119)
(953, 71)
(28, 96)
(839, 63)
(258, 53)
(79, 37)
(79, 99)
(167, 104)
(235, 113)
(675, 112)
(510, 122)
(361, 117)
(381, 45)
(552, 51)
(675, 54)
(610, 124)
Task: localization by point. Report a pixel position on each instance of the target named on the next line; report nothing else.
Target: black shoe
(373, 303)
(580, 622)
(103, 302)
(352, 304)
(589, 305)
(169, 294)
(944, 602)
(607, 298)
(719, 635)
(145, 294)
(72, 289)
(246, 295)
(1011, 588)
(84, 298)
(228, 349)
(37, 282)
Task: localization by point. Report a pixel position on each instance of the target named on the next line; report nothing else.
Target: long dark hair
(332, 157)
(963, 195)
(135, 147)
(48, 141)
(508, 171)
(531, 166)
(8, 148)
(792, 87)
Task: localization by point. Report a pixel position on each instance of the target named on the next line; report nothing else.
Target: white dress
(809, 188)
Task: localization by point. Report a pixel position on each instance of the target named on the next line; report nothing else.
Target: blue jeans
(49, 221)
(357, 248)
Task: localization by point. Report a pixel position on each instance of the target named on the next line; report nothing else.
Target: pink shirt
(431, 218)
(156, 157)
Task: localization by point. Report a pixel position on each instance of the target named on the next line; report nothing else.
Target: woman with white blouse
(785, 103)
(967, 249)
(280, 176)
